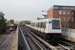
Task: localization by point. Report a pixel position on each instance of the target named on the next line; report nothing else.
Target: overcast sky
(29, 9)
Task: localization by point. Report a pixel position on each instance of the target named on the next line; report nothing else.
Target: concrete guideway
(29, 45)
(59, 46)
(14, 45)
(7, 43)
(28, 48)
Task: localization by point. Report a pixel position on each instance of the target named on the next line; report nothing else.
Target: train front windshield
(55, 24)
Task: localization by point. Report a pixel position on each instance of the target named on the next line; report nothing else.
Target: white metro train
(48, 29)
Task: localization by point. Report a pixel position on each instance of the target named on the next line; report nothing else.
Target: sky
(20, 10)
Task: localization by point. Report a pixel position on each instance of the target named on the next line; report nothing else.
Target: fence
(69, 33)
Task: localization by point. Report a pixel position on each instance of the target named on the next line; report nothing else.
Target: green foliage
(3, 25)
(27, 22)
(11, 21)
(63, 25)
(71, 24)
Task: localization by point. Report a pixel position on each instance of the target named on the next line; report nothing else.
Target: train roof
(46, 19)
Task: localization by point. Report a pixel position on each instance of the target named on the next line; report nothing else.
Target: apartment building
(65, 13)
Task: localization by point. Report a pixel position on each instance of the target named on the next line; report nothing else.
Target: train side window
(38, 24)
(34, 24)
(31, 24)
(41, 24)
(44, 24)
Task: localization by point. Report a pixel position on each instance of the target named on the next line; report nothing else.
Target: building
(45, 16)
(38, 18)
(63, 12)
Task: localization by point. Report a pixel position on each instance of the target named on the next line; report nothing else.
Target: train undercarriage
(53, 39)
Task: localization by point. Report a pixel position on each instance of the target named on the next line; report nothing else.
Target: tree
(73, 26)
(11, 21)
(70, 23)
(3, 24)
(63, 25)
(27, 22)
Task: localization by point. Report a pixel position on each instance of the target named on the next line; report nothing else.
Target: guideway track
(41, 46)
(25, 40)
(62, 46)
(36, 41)
(44, 42)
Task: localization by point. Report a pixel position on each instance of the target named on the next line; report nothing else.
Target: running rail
(37, 42)
(64, 47)
(25, 40)
(47, 44)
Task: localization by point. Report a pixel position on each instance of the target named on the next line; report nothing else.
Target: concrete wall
(69, 33)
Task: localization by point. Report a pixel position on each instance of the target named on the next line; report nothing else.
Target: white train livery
(49, 29)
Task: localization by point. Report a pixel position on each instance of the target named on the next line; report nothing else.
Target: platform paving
(8, 41)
